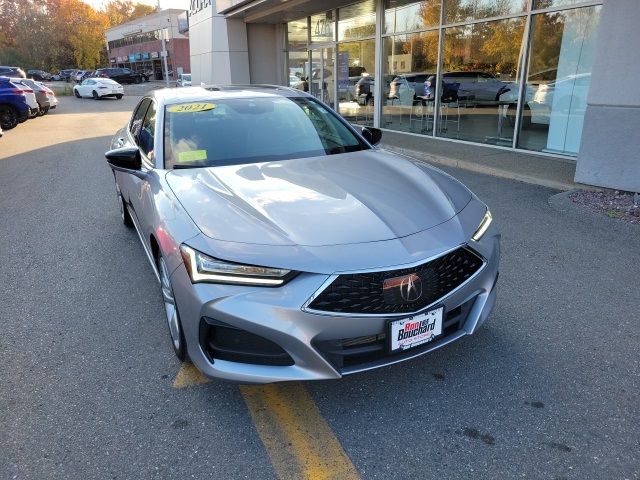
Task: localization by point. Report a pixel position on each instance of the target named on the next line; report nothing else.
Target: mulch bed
(622, 205)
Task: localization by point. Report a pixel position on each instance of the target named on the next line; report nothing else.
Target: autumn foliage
(55, 34)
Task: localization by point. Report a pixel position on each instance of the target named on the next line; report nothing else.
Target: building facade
(550, 77)
(138, 44)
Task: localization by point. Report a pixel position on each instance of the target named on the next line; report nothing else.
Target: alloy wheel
(170, 309)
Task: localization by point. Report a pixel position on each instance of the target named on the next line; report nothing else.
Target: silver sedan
(287, 245)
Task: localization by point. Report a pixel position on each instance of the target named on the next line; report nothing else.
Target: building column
(218, 48)
(611, 134)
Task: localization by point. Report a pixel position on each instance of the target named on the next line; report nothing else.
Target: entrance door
(322, 77)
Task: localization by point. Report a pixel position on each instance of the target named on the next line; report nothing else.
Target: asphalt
(548, 389)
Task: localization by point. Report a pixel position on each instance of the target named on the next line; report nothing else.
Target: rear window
(249, 130)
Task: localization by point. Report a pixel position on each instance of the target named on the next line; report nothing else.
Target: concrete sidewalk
(541, 170)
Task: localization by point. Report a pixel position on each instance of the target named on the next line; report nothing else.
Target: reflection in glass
(323, 27)
(480, 73)
(297, 39)
(356, 74)
(540, 4)
(408, 15)
(322, 75)
(464, 10)
(410, 62)
(558, 79)
(357, 21)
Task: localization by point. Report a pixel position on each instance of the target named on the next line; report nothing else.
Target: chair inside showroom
(448, 101)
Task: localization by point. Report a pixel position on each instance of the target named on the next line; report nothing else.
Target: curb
(479, 168)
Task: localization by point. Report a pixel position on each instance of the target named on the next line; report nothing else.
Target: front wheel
(171, 312)
(76, 93)
(119, 97)
(95, 96)
(8, 117)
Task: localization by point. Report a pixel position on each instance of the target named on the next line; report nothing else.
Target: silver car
(289, 247)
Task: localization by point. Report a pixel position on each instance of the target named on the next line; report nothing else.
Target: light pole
(164, 37)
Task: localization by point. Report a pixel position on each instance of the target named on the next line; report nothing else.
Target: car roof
(168, 96)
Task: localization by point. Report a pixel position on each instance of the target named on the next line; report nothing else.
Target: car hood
(349, 198)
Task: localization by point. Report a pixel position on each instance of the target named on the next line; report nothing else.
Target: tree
(121, 11)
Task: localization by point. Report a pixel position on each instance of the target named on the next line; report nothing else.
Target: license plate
(417, 330)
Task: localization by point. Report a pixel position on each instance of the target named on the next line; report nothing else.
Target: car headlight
(203, 268)
(482, 228)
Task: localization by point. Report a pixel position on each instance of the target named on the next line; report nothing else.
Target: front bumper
(316, 346)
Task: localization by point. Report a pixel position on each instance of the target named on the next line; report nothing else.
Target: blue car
(14, 105)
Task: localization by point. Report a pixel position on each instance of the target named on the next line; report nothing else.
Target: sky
(183, 4)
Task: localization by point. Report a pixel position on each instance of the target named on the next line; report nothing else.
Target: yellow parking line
(298, 440)
(189, 375)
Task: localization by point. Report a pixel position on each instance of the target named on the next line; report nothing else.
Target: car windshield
(249, 130)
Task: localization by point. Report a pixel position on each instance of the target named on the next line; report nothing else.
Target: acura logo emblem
(411, 288)
(407, 288)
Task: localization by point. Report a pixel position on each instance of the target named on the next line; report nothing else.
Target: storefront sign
(132, 58)
(138, 56)
(154, 55)
(145, 56)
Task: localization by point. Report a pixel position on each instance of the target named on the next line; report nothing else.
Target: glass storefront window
(409, 62)
(322, 75)
(456, 11)
(558, 79)
(479, 81)
(356, 81)
(357, 21)
(408, 15)
(323, 27)
(297, 40)
(540, 4)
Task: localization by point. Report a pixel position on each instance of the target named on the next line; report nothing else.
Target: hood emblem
(407, 287)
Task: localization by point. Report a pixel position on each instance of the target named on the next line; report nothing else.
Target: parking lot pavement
(548, 389)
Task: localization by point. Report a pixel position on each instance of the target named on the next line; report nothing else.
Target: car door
(128, 183)
(85, 87)
(141, 198)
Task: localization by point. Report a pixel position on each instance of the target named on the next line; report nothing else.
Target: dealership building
(138, 44)
(549, 77)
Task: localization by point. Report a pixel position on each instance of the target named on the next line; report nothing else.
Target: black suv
(120, 75)
(12, 72)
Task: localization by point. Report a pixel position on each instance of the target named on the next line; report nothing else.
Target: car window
(138, 116)
(126, 71)
(249, 130)
(145, 141)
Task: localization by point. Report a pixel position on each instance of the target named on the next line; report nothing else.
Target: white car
(184, 80)
(98, 88)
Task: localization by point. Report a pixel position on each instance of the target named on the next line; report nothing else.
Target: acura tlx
(287, 245)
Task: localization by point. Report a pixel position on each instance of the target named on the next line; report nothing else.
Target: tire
(172, 316)
(41, 112)
(95, 96)
(8, 117)
(76, 93)
(124, 213)
(46, 110)
(119, 97)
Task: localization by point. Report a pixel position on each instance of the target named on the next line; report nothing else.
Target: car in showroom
(287, 246)
(98, 88)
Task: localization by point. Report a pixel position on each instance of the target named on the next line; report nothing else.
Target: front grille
(352, 354)
(362, 293)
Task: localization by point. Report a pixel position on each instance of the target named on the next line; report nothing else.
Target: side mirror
(126, 158)
(372, 135)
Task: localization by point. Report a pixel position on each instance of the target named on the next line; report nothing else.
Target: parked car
(120, 75)
(30, 96)
(44, 95)
(15, 107)
(416, 83)
(184, 80)
(98, 88)
(15, 72)
(66, 75)
(365, 88)
(342, 258)
(39, 75)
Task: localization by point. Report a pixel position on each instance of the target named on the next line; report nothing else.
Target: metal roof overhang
(275, 11)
